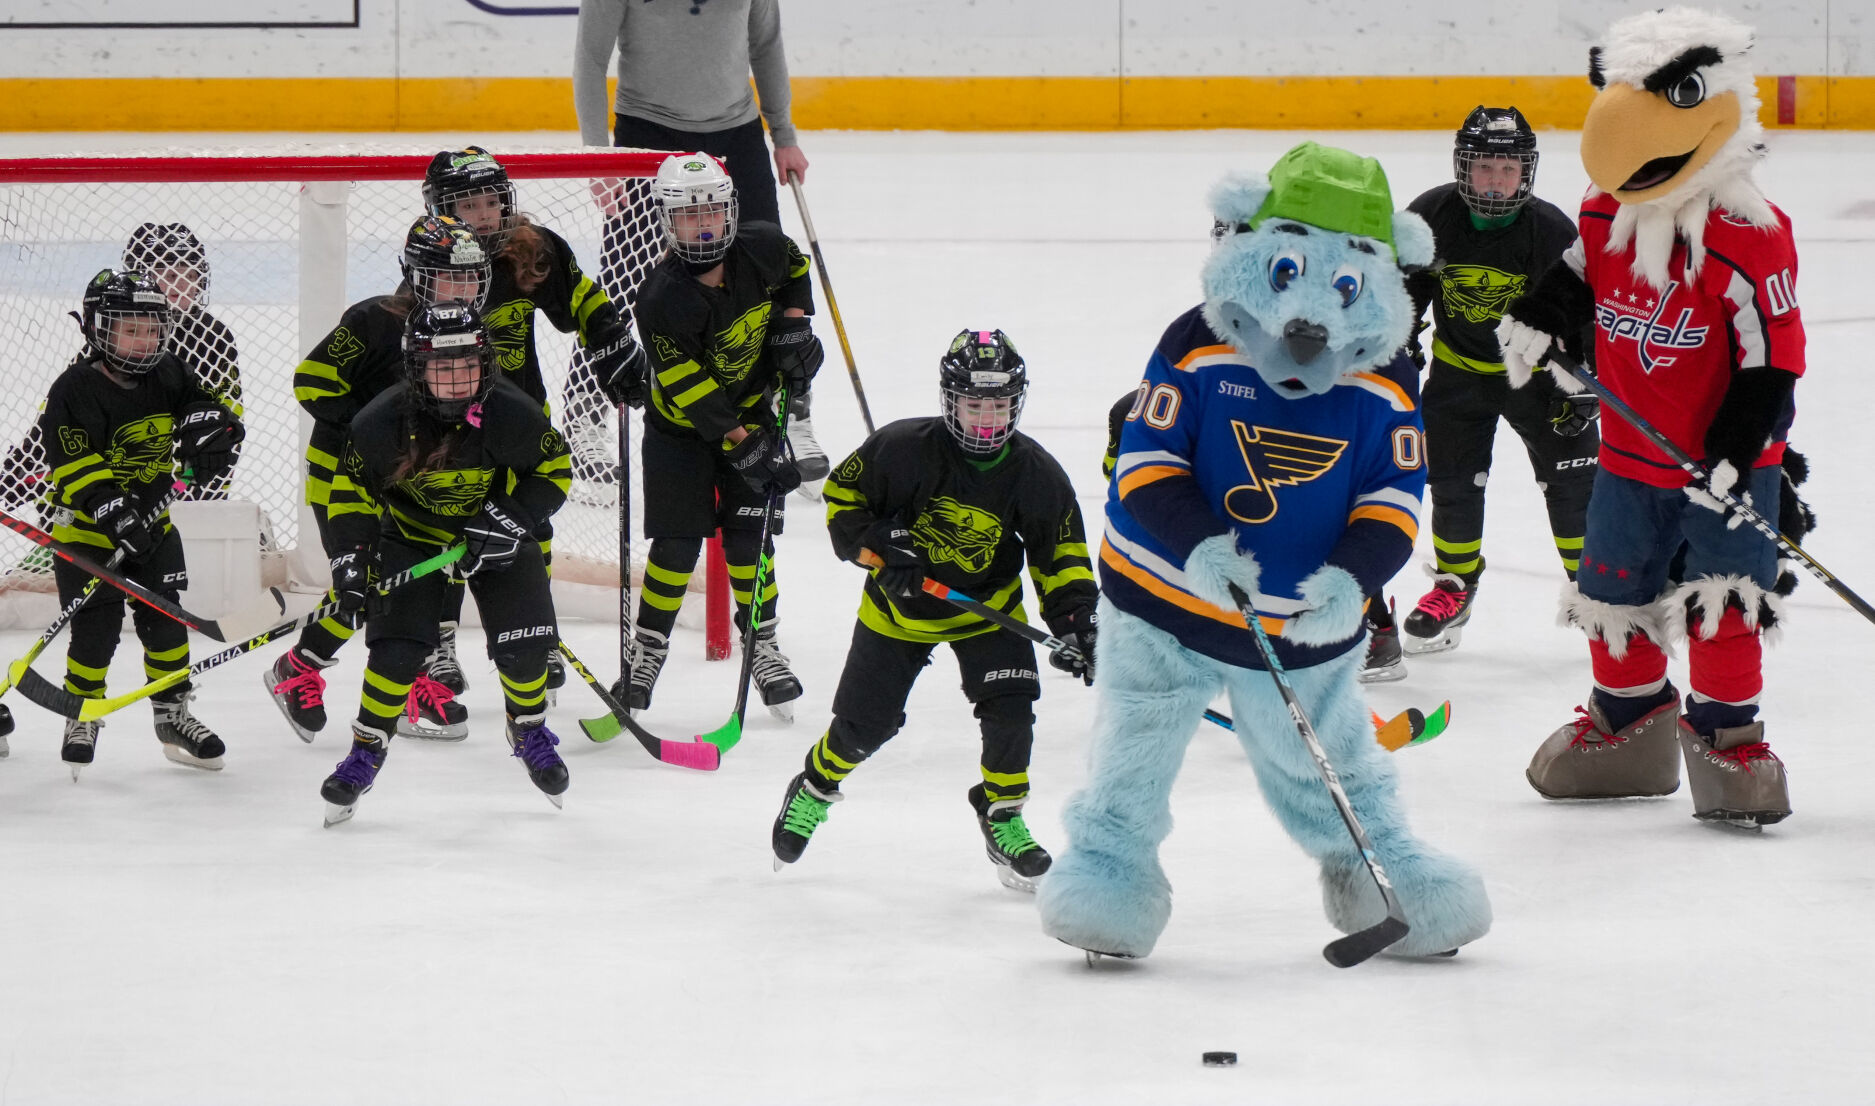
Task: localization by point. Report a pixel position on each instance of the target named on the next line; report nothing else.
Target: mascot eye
(1347, 281)
(1285, 268)
(1689, 92)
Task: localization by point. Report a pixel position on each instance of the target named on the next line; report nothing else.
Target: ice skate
(79, 745)
(1384, 664)
(298, 687)
(354, 775)
(532, 743)
(432, 713)
(1736, 779)
(556, 677)
(809, 459)
(1019, 860)
(650, 650)
(186, 740)
(773, 678)
(1437, 622)
(1583, 760)
(443, 665)
(803, 809)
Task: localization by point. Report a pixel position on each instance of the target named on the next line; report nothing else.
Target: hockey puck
(1220, 1059)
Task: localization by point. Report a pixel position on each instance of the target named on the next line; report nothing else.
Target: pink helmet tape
(986, 336)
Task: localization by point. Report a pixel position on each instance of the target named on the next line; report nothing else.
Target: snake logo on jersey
(1638, 321)
(452, 492)
(739, 345)
(1275, 458)
(508, 325)
(956, 533)
(1479, 293)
(140, 450)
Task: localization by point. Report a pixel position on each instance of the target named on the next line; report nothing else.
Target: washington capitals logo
(1274, 458)
(1621, 321)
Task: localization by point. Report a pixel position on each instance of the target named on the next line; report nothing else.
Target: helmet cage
(440, 248)
(982, 384)
(454, 176)
(174, 258)
(1492, 205)
(115, 302)
(436, 340)
(697, 207)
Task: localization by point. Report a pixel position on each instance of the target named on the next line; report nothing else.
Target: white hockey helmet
(696, 207)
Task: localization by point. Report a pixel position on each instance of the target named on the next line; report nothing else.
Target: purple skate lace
(358, 768)
(535, 748)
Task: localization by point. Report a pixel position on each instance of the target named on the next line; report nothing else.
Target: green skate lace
(1012, 836)
(804, 813)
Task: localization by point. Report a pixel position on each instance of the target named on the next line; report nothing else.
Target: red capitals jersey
(1671, 354)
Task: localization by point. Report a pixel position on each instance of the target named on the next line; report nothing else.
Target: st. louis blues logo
(1621, 321)
(1274, 458)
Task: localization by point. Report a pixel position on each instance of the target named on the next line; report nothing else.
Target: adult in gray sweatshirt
(683, 84)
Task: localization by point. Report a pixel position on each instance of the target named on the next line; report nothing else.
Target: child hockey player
(723, 318)
(454, 453)
(115, 423)
(534, 270)
(363, 356)
(962, 499)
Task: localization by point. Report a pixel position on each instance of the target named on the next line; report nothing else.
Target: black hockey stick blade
(56, 699)
(1356, 948)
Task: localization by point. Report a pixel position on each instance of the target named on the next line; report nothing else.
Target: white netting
(280, 273)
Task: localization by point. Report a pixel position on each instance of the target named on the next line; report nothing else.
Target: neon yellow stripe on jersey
(1457, 360)
(1067, 575)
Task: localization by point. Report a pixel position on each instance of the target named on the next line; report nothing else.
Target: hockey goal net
(291, 238)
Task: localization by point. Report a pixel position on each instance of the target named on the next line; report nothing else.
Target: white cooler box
(221, 540)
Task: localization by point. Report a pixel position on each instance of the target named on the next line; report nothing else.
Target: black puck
(1220, 1059)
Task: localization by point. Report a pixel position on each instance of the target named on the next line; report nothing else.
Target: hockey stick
(1703, 478)
(62, 702)
(1411, 726)
(695, 753)
(833, 305)
(1344, 952)
(624, 548)
(207, 627)
(725, 736)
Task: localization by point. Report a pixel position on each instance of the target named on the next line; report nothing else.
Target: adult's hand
(790, 159)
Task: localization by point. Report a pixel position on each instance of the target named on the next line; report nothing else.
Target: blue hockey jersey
(1207, 448)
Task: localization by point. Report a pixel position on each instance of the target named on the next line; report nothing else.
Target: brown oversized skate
(1736, 777)
(1583, 760)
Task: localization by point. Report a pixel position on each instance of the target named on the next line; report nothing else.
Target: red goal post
(292, 237)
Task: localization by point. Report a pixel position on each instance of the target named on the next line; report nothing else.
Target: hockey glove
(120, 517)
(1215, 565)
(351, 583)
(794, 352)
(762, 461)
(206, 434)
(1078, 629)
(621, 367)
(1337, 607)
(493, 538)
(902, 575)
(1571, 415)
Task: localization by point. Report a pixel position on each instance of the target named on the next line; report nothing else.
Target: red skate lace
(307, 682)
(1585, 725)
(1441, 604)
(426, 693)
(1745, 754)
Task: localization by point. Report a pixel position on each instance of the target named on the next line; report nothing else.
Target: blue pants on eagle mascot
(1272, 461)
(1108, 893)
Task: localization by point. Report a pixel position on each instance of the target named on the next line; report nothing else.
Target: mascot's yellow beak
(1638, 147)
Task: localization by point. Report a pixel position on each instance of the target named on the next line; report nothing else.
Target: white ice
(173, 936)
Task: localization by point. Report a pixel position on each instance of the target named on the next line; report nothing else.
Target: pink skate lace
(1441, 603)
(1585, 725)
(307, 682)
(1745, 754)
(426, 693)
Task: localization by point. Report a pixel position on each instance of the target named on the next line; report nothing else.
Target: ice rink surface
(173, 936)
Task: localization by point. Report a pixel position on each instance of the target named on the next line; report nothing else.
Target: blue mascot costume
(1274, 446)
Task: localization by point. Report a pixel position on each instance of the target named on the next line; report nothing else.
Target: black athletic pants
(98, 624)
(999, 678)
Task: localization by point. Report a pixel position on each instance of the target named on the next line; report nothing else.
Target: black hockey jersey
(508, 447)
(101, 437)
(1483, 271)
(973, 524)
(706, 344)
(360, 358)
(565, 295)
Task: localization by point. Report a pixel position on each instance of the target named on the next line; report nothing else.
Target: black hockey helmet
(125, 320)
(982, 381)
(455, 175)
(1493, 133)
(173, 255)
(442, 248)
(438, 339)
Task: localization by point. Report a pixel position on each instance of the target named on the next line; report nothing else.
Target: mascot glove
(1215, 564)
(1525, 349)
(1336, 603)
(1724, 476)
